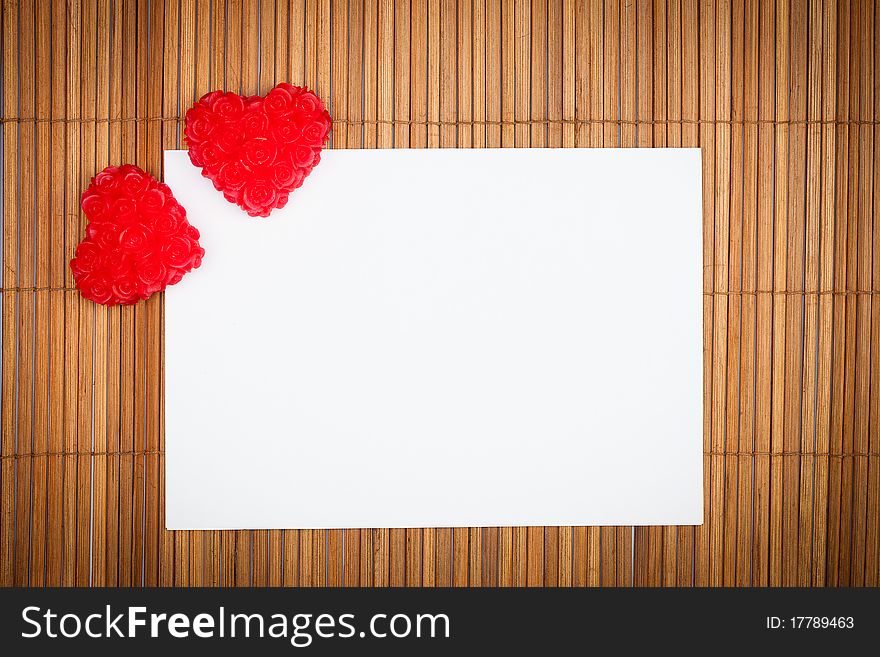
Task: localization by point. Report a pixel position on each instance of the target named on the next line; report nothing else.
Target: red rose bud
(256, 150)
(284, 174)
(255, 124)
(138, 240)
(228, 106)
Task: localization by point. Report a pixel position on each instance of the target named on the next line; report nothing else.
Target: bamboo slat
(812, 169)
(780, 96)
(72, 302)
(42, 151)
(839, 343)
(764, 311)
(826, 274)
(156, 544)
(748, 380)
(55, 474)
(102, 351)
(26, 228)
(872, 553)
(10, 278)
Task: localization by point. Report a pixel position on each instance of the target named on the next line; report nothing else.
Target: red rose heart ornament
(257, 149)
(138, 240)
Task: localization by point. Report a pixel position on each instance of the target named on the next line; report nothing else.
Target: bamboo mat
(780, 96)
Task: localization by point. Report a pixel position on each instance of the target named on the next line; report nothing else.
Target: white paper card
(442, 338)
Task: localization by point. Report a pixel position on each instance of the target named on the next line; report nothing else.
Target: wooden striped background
(781, 97)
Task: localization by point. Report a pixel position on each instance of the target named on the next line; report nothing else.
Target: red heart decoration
(138, 240)
(257, 150)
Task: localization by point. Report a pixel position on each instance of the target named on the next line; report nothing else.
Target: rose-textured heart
(138, 240)
(255, 149)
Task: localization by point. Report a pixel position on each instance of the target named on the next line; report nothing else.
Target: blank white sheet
(442, 338)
